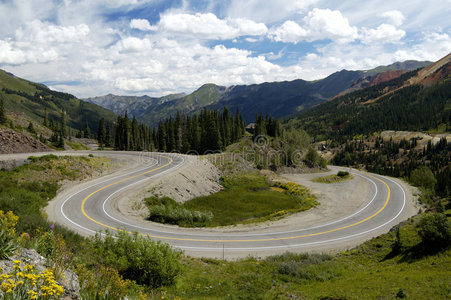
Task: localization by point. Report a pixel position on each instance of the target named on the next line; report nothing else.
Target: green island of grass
(339, 177)
(245, 199)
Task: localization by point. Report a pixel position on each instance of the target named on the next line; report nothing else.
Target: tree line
(400, 159)
(210, 130)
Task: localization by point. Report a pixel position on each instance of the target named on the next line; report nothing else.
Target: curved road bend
(89, 210)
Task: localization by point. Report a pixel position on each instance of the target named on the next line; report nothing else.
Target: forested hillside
(412, 107)
(39, 102)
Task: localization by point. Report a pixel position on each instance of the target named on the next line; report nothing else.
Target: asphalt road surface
(89, 210)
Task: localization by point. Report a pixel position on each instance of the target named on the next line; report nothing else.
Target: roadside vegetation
(339, 177)
(24, 192)
(167, 210)
(375, 270)
(246, 198)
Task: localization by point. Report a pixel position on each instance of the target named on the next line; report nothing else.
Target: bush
(139, 258)
(167, 210)
(312, 157)
(342, 174)
(435, 230)
(423, 177)
(178, 215)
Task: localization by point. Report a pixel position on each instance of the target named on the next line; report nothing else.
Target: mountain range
(278, 99)
(418, 100)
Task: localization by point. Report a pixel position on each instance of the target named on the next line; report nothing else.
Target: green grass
(25, 190)
(250, 198)
(370, 271)
(333, 178)
(77, 146)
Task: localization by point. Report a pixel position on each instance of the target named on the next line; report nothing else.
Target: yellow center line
(225, 241)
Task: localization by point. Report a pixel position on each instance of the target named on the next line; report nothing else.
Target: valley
(289, 189)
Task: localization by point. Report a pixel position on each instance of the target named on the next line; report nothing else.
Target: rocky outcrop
(30, 256)
(14, 142)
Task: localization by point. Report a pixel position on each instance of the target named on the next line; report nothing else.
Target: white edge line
(303, 244)
(157, 231)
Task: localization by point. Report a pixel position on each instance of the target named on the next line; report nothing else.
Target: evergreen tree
(161, 137)
(3, 118)
(101, 133)
(126, 132)
(46, 118)
(31, 128)
(63, 124)
(118, 136)
(87, 131)
(134, 134)
(52, 124)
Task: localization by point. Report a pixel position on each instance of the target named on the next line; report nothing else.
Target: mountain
(279, 99)
(418, 100)
(22, 97)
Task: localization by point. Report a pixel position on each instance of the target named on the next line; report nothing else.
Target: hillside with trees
(392, 105)
(42, 105)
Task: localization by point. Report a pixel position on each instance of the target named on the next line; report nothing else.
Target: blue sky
(157, 47)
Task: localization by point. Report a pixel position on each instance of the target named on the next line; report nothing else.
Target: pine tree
(126, 132)
(60, 139)
(52, 124)
(101, 133)
(161, 137)
(63, 123)
(87, 131)
(118, 136)
(3, 118)
(46, 118)
(178, 133)
(134, 134)
(31, 128)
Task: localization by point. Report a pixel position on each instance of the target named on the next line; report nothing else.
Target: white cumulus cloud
(326, 23)
(318, 24)
(394, 17)
(141, 24)
(288, 32)
(384, 33)
(208, 26)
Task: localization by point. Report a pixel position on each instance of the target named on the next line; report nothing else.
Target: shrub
(435, 230)
(102, 283)
(139, 258)
(312, 157)
(342, 174)
(167, 210)
(423, 177)
(309, 267)
(178, 215)
(48, 157)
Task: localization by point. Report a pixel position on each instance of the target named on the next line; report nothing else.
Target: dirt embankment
(197, 177)
(14, 142)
